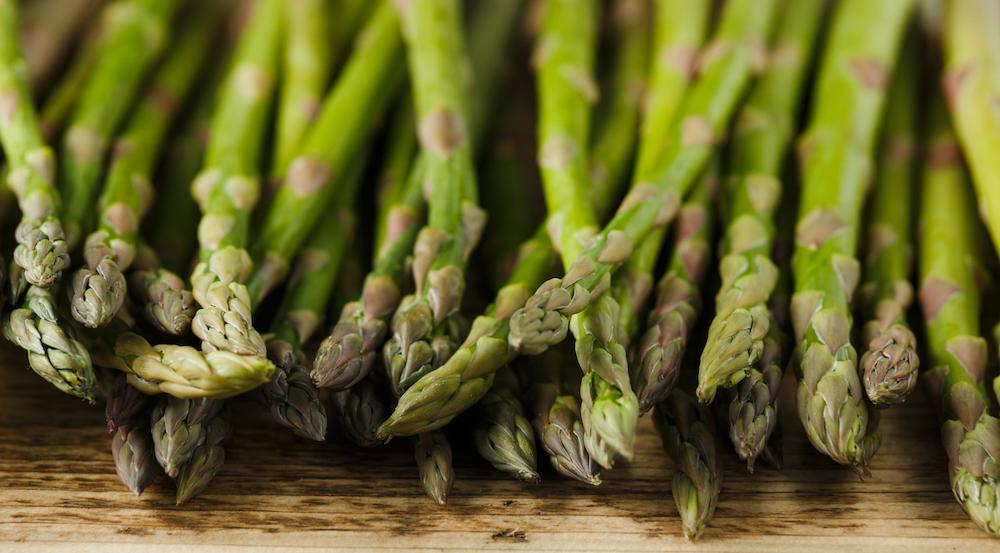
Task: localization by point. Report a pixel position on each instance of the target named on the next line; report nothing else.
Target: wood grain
(59, 492)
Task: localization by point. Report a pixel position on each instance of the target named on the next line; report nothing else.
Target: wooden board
(59, 492)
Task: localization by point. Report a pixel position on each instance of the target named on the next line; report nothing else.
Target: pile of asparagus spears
(386, 163)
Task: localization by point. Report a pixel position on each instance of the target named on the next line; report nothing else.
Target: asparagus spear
(41, 249)
(48, 30)
(291, 395)
(436, 58)
(889, 366)
(58, 106)
(502, 434)
(616, 123)
(678, 297)
(170, 228)
(136, 32)
(307, 63)
(125, 403)
(135, 460)
(228, 187)
(836, 159)
(54, 351)
(688, 435)
(705, 113)
(950, 299)
(360, 410)
(763, 132)
(178, 426)
(362, 93)
(972, 82)
(433, 456)
(98, 290)
(162, 296)
(206, 459)
(127, 415)
(347, 354)
(553, 393)
(180, 371)
(680, 28)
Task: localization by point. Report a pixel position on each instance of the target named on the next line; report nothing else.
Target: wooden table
(59, 492)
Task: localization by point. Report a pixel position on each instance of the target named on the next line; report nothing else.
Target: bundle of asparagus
(652, 128)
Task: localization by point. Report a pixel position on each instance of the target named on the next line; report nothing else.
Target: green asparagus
(42, 250)
(362, 93)
(763, 132)
(678, 297)
(836, 154)
(889, 365)
(972, 82)
(135, 32)
(503, 435)
(228, 187)
(97, 291)
(54, 350)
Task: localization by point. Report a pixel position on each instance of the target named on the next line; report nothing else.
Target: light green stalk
(133, 35)
(836, 152)
(229, 185)
(98, 289)
(972, 82)
(889, 364)
(764, 129)
(950, 252)
(42, 250)
(351, 111)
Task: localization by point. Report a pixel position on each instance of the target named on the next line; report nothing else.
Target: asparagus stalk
(58, 106)
(178, 426)
(307, 63)
(688, 435)
(972, 82)
(950, 299)
(291, 395)
(135, 460)
(502, 434)
(425, 319)
(127, 414)
(836, 159)
(41, 249)
(553, 393)
(125, 403)
(98, 289)
(616, 124)
(679, 28)
(889, 366)
(206, 458)
(661, 349)
(347, 354)
(180, 371)
(228, 187)
(705, 113)
(360, 410)
(54, 350)
(763, 132)
(160, 294)
(170, 228)
(136, 32)
(433, 456)
(362, 94)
